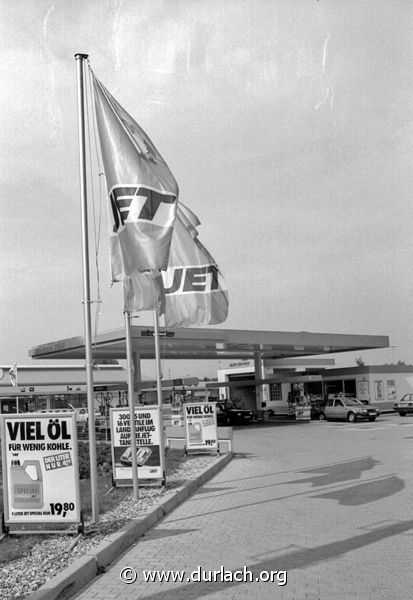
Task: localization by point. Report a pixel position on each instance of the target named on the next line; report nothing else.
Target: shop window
(8, 405)
(350, 387)
(76, 400)
(59, 401)
(275, 392)
(40, 402)
(14, 405)
(334, 387)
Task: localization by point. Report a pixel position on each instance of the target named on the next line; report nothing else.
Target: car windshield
(352, 402)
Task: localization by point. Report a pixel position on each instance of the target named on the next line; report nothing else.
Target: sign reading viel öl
(40, 468)
(201, 426)
(147, 444)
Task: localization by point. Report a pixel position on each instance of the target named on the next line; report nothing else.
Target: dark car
(228, 413)
(405, 405)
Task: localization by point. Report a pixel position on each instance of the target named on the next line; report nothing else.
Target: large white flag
(144, 292)
(195, 290)
(142, 190)
(192, 291)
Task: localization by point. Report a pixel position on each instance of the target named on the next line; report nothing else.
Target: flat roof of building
(212, 343)
(369, 369)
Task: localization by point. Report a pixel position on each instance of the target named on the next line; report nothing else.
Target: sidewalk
(329, 503)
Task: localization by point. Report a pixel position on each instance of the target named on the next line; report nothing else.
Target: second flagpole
(131, 401)
(80, 58)
(159, 395)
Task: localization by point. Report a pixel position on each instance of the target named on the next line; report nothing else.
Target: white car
(349, 409)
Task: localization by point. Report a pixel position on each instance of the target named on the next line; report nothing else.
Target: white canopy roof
(212, 343)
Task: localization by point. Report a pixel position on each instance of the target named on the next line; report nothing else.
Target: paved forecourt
(329, 503)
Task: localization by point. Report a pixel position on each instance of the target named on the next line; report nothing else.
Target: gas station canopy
(194, 343)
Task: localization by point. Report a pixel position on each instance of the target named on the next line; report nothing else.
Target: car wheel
(371, 419)
(351, 417)
(402, 414)
(321, 417)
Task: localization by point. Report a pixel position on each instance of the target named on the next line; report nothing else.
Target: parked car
(368, 404)
(228, 413)
(404, 405)
(349, 409)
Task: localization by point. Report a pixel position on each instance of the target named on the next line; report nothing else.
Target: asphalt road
(328, 504)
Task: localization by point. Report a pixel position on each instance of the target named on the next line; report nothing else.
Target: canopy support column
(262, 391)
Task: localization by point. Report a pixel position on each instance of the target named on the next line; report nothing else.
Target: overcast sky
(287, 124)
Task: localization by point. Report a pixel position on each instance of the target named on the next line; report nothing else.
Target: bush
(103, 455)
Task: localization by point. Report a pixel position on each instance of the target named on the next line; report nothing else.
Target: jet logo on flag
(131, 203)
(191, 279)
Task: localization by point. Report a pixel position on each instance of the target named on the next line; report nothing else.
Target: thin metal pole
(131, 402)
(80, 58)
(159, 394)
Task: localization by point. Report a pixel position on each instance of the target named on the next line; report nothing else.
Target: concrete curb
(82, 571)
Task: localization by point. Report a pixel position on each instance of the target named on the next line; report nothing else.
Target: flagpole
(131, 402)
(80, 58)
(159, 395)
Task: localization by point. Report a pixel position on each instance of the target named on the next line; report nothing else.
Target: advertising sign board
(363, 390)
(391, 389)
(147, 442)
(40, 468)
(378, 386)
(201, 426)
